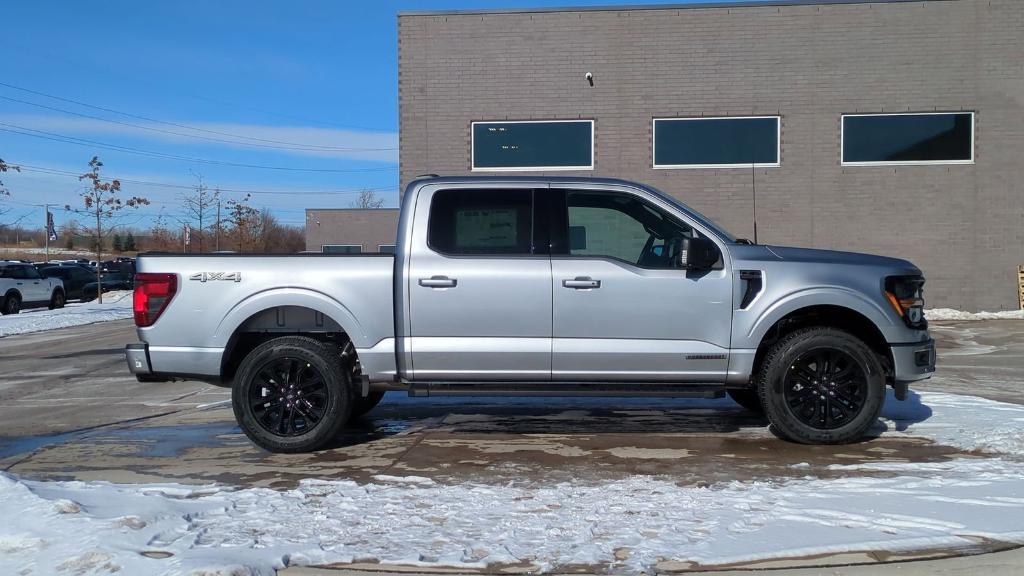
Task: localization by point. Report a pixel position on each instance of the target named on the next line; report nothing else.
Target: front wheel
(291, 395)
(11, 305)
(821, 386)
(57, 300)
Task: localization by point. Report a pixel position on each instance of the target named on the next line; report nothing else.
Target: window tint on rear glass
(481, 222)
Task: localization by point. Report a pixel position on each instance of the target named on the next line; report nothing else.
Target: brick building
(893, 127)
(351, 230)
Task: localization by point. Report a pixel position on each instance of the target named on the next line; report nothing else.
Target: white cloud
(294, 140)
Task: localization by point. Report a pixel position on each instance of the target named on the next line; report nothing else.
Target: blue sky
(279, 98)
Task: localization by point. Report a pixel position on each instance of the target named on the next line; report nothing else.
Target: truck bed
(218, 294)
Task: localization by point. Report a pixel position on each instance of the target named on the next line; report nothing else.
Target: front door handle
(438, 282)
(581, 282)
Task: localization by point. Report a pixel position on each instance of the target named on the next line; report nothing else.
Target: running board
(631, 389)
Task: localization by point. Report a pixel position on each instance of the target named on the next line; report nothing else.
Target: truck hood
(792, 254)
(828, 257)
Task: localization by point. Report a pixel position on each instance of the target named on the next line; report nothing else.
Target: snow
(951, 314)
(628, 525)
(116, 305)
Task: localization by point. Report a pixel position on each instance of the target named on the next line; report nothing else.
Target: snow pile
(951, 314)
(628, 525)
(116, 306)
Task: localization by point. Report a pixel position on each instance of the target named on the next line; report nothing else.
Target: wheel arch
(279, 313)
(836, 316)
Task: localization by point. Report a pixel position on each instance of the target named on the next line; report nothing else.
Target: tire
(748, 398)
(821, 386)
(285, 425)
(364, 404)
(11, 305)
(57, 300)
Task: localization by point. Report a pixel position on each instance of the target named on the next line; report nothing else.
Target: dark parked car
(74, 277)
(110, 281)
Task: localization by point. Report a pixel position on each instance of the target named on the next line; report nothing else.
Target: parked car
(547, 286)
(21, 286)
(110, 281)
(74, 277)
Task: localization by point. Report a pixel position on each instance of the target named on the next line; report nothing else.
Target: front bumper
(913, 360)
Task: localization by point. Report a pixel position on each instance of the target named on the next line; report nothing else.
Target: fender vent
(753, 284)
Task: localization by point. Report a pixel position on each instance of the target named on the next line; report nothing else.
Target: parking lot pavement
(72, 411)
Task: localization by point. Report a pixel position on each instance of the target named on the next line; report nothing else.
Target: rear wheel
(57, 300)
(11, 305)
(748, 398)
(364, 404)
(821, 386)
(291, 395)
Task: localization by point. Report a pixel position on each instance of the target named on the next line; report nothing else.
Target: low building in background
(890, 127)
(351, 230)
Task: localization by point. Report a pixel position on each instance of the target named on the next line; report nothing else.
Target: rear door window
(482, 222)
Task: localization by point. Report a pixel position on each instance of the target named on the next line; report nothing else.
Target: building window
(342, 249)
(533, 145)
(481, 222)
(733, 142)
(924, 138)
(386, 248)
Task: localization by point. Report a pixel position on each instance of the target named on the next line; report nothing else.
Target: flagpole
(46, 217)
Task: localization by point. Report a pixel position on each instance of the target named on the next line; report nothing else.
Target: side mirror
(698, 254)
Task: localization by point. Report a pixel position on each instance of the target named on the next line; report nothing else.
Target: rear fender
(274, 298)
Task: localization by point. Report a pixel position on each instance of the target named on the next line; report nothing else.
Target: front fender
(755, 329)
(304, 297)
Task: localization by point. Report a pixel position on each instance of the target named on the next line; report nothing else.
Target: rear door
(479, 286)
(623, 309)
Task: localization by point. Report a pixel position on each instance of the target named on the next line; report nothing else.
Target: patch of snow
(893, 506)
(116, 305)
(951, 314)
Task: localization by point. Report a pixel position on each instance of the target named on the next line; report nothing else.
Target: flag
(51, 231)
(188, 234)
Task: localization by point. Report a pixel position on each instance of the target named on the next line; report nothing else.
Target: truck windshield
(703, 220)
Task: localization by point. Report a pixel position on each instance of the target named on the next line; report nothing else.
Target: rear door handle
(438, 282)
(581, 282)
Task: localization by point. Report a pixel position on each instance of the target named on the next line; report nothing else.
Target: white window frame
(778, 144)
(472, 146)
(842, 140)
(323, 246)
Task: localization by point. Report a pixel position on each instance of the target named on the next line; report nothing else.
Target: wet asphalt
(71, 411)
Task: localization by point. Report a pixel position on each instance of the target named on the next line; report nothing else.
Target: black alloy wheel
(825, 388)
(288, 397)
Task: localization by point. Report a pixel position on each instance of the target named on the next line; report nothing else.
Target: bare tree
(367, 199)
(102, 203)
(244, 221)
(4, 167)
(161, 238)
(200, 206)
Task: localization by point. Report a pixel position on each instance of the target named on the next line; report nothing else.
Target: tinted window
(511, 145)
(481, 222)
(342, 249)
(17, 272)
(908, 138)
(682, 142)
(386, 248)
(54, 272)
(624, 227)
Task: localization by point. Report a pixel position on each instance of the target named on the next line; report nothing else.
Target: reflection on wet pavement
(695, 442)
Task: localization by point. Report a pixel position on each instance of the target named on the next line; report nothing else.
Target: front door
(479, 288)
(623, 308)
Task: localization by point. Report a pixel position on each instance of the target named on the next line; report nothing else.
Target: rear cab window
(482, 222)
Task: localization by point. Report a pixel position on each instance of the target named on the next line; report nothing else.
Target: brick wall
(366, 227)
(963, 224)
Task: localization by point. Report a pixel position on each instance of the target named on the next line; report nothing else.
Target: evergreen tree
(117, 243)
(70, 243)
(129, 243)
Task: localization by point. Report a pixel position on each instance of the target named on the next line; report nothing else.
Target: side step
(630, 389)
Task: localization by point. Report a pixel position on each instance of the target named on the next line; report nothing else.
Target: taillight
(906, 295)
(153, 292)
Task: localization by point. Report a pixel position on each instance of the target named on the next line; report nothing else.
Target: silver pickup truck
(538, 286)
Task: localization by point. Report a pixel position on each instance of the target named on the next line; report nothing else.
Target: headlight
(906, 295)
